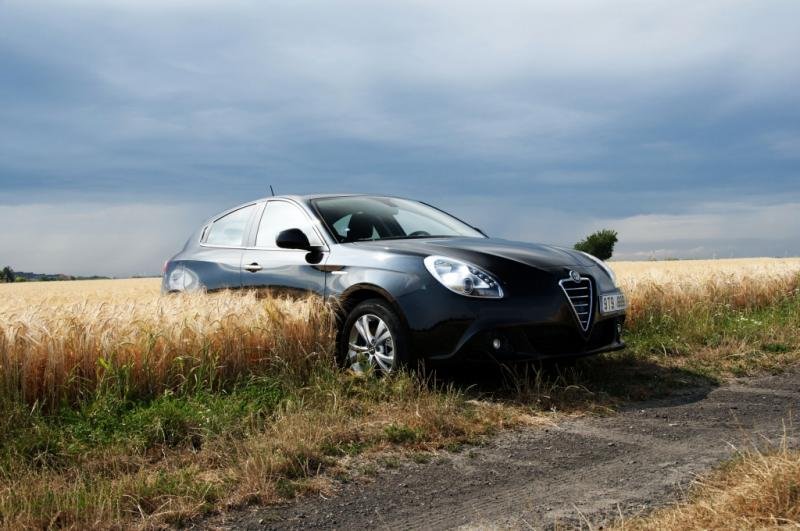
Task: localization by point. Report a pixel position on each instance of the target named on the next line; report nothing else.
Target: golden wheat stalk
(52, 353)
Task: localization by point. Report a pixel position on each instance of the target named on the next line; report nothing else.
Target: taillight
(164, 268)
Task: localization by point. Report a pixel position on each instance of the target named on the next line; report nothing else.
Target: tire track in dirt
(589, 469)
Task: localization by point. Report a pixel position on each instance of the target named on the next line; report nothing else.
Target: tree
(7, 275)
(599, 244)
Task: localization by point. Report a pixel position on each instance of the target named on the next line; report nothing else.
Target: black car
(411, 280)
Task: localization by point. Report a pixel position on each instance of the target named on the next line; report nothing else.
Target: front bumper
(545, 341)
(535, 321)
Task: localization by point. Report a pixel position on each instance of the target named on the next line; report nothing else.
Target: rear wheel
(373, 338)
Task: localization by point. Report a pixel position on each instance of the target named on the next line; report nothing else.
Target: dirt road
(580, 470)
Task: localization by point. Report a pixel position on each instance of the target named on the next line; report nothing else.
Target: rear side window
(280, 216)
(228, 231)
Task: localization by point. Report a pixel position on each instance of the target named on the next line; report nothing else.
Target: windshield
(353, 219)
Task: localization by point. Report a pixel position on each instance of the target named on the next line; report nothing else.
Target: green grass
(115, 460)
(168, 420)
(400, 434)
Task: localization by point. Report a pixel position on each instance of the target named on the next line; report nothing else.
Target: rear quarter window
(229, 230)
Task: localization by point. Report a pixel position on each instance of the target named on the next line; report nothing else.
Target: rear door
(282, 271)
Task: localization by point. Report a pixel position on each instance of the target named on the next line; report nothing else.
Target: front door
(282, 271)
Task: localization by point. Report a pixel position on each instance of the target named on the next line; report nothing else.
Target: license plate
(612, 303)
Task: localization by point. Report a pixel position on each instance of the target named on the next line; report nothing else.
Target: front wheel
(373, 337)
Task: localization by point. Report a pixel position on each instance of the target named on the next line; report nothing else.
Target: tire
(373, 338)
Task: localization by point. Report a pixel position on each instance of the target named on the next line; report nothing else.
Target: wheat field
(673, 286)
(62, 340)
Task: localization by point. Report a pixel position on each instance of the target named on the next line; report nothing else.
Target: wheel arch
(358, 293)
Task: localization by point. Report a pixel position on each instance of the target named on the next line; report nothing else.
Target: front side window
(353, 219)
(228, 231)
(280, 216)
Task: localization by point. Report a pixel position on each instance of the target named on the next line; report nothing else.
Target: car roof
(311, 197)
(296, 198)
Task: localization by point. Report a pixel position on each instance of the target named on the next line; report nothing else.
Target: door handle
(253, 268)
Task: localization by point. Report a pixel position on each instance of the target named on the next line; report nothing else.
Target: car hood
(533, 254)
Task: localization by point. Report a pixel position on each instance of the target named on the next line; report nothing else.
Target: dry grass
(304, 444)
(756, 491)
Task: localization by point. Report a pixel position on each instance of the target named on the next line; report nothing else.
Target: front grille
(580, 296)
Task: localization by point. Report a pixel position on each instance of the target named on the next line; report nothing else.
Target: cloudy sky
(124, 124)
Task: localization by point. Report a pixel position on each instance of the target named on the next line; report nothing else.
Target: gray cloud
(560, 111)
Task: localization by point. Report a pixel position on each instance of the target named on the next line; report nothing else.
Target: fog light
(496, 343)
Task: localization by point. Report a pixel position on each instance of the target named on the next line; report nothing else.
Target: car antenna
(272, 191)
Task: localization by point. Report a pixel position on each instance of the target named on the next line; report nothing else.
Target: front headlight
(463, 278)
(603, 265)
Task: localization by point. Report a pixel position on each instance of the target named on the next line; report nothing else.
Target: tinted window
(228, 231)
(280, 216)
(415, 222)
(354, 219)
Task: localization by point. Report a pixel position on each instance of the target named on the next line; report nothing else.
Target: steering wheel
(419, 233)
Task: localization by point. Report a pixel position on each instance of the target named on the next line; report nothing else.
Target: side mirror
(293, 239)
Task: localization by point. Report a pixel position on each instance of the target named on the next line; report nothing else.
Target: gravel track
(577, 471)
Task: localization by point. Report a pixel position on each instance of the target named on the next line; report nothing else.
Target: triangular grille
(580, 297)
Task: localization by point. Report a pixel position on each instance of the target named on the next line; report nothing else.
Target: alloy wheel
(370, 344)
